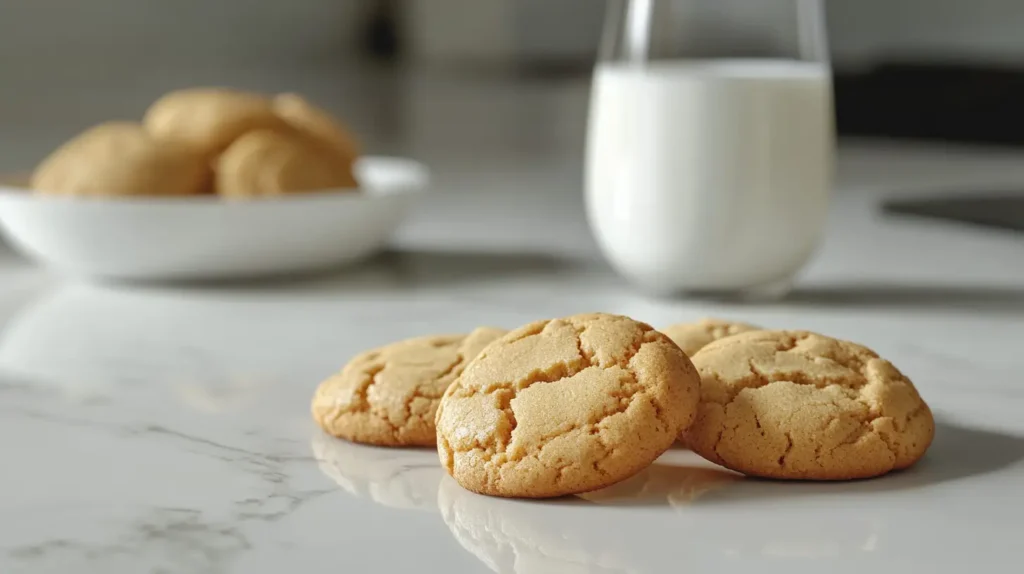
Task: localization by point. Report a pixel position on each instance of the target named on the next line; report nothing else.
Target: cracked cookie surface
(389, 396)
(692, 337)
(798, 405)
(565, 406)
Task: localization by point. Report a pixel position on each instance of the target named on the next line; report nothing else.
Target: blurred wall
(860, 31)
(63, 34)
(444, 30)
(557, 28)
(503, 30)
(988, 30)
(68, 64)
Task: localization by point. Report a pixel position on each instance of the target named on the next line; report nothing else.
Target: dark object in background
(381, 38)
(1003, 211)
(964, 103)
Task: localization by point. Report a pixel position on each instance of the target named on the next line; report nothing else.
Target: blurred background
(444, 78)
(506, 82)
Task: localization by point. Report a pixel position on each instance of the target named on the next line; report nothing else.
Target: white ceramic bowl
(162, 239)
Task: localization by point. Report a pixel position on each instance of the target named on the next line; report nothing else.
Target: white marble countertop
(166, 429)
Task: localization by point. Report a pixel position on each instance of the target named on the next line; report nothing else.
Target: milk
(709, 175)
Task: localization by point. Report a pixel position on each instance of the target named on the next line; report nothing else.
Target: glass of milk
(710, 143)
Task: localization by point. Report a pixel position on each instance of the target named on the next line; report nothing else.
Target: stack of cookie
(570, 405)
(206, 140)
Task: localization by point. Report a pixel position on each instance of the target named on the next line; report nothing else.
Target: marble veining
(167, 430)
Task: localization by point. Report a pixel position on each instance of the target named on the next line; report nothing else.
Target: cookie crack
(505, 404)
(902, 426)
(852, 437)
(793, 342)
(587, 354)
(362, 402)
(759, 378)
(817, 455)
(552, 374)
(561, 370)
(445, 449)
(899, 424)
(864, 428)
(459, 360)
(423, 389)
(595, 431)
(788, 449)
(865, 373)
(659, 413)
(419, 392)
(646, 334)
(496, 451)
(593, 425)
(716, 331)
(718, 442)
(560, 471)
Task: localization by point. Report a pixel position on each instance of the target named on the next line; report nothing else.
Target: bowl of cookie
(212, 183)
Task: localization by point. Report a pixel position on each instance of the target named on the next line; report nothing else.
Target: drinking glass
(710, 143)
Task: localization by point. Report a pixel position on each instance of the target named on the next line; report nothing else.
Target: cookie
(692, 337)
(209, 119)
(316, 123)
(268, 162)
(798, 405)
(388, 396)
(120, 159)
(565, 406)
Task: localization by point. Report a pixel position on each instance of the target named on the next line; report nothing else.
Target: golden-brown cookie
(120, 159)
(316, 123)
(565, 406)
(209, 119)
(388, 396)
(798, 405)
(692, 337)
(268, 162)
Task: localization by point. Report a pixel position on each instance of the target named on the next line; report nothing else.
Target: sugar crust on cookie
(565, 406)
(798, 405)
(692, 337)
(388, 396)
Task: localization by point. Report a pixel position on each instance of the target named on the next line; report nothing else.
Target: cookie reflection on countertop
(394, 477)
(679, 478)
(573, 534)
(524, 537)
